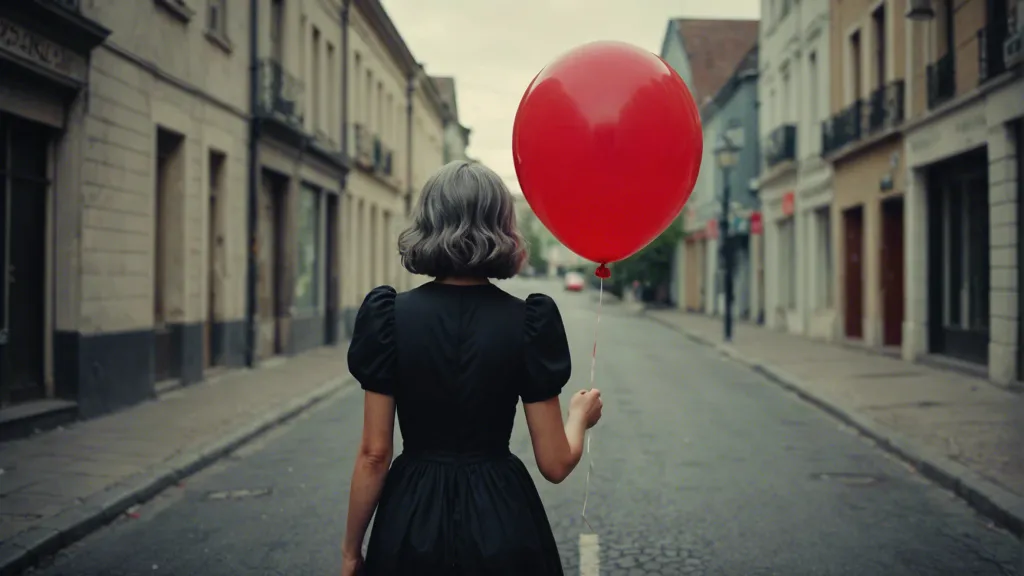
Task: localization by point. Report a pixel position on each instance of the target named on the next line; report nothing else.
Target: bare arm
(371, 468)
(556, 447)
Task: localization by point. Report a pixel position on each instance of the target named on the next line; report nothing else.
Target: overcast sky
(494, 48)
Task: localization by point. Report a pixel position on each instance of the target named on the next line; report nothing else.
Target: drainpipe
(254, 128)
(344, 82)
(410, 92)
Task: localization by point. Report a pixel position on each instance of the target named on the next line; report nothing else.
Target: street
(701, 466)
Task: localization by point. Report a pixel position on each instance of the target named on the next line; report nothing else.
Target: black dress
(457, 359)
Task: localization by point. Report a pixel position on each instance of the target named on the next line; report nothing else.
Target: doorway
(24, 186)
(170, 175)
(333, 267)
(853, 230)
(270, 255)
(891, 272)
(215, 255)
(959, 249)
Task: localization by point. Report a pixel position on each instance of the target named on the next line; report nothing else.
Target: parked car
(574, 282)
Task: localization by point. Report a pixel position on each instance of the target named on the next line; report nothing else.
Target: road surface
(700, 467)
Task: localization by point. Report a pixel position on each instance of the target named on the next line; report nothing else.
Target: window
(331, 100)
(368, 100)
(216, 17)
(813, 143)
(855, 67)
(787, 263)
(878, 25)
(277, 30)
(308, 262)
(784, 103)
(315, 80)
(823, 268)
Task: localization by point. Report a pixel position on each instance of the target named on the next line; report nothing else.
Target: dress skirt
(458, 514)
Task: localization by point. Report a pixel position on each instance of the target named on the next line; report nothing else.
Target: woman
(454, 356)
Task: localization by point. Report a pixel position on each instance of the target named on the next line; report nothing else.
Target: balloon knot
(603, 272)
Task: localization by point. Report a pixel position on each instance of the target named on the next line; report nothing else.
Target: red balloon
(607, 144)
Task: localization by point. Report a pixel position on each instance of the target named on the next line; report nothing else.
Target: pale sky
(494, 48)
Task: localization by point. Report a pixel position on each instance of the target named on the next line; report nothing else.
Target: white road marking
(590, 555)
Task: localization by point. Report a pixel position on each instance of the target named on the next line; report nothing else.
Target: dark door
(169, 178)
(332, 251)
(853, 228)
(23, 190)
(891, 272)
(959, 257)
(1020, 249)
(211, 278)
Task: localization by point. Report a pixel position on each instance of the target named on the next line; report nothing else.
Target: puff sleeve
(546, 350)
(372, 356)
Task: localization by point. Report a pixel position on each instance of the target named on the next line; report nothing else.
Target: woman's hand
(586, 405)
(351, 564)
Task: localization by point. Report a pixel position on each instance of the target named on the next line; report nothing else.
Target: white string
(590, 433)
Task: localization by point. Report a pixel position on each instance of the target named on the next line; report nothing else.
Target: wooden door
(853, 229)
(891, 273)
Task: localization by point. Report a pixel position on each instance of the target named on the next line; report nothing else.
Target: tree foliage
(652, 265)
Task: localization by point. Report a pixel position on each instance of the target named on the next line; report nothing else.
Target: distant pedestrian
(454, 357)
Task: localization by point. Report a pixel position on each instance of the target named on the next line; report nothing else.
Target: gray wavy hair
(464, 226)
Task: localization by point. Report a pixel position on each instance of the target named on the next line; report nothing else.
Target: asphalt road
(700, 467)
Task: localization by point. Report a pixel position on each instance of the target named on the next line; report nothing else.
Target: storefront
(781, 255)
(964, 238)
(44, 62)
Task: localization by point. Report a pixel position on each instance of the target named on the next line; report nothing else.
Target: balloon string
(590, 433)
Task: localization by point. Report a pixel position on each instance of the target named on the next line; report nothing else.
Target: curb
(51, 535)
(998, 504)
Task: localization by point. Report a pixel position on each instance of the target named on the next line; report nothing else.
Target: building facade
(965, 103)
(862, 140)
(49, 302)
(219, 198)
(705, 54)
(795, 184)
(300, 169)
(456, 136)
(732, 113)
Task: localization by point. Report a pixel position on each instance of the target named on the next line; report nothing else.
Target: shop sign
(712, 229)
(756, 227)
(27, 45)
(788, 203)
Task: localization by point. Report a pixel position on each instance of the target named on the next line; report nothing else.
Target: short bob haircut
(464, 226)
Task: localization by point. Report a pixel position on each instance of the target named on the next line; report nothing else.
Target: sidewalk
(961, 432)
(58, 486)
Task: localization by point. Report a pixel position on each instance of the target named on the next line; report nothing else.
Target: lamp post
(726, 155)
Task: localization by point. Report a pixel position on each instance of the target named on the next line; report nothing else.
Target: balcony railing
(991, 38)
(844, 128)
(885, 107)
(941, 81)
(281, 94)
(780, 146)
(72, 5)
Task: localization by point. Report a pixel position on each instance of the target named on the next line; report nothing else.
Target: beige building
(189, 215)
(963, 149)
(56, 222)
(862, 140)
(456, 136)
(395, 129)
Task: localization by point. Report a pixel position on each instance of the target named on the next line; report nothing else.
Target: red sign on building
(756, 227)
(712, 229)
(788, 203)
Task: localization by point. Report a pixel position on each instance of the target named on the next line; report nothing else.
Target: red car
(574, 282)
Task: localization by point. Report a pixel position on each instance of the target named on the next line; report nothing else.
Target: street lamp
(727, 152)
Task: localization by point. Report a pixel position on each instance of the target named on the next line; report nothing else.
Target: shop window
(823, 266)
(308, 264)
(787, 263)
